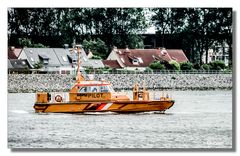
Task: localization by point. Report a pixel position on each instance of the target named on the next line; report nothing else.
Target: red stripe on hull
(101, 106)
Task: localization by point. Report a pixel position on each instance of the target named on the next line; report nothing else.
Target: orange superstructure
(98, 96)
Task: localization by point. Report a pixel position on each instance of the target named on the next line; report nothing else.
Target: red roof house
(13, 53)
(111, 63)
(177, 55)
(144, 57)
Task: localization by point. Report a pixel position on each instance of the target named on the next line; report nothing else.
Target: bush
(217, 65)
(148, 70)
(157, 65)
(106, 70)
(205, 67)
(174, 65)
(186, 66)
(38, 65)
(89, 70)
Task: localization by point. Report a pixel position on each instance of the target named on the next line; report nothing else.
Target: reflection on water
(199, 119)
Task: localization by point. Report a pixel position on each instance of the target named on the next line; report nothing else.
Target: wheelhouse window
(90, 89)
(104, 89)
(82, 90)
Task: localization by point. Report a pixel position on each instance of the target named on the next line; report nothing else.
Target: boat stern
(42, 98)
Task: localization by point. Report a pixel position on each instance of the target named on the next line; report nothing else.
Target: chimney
(114, 48)
(163, 51)
(66, 46)
(12, 48)
(127, 48)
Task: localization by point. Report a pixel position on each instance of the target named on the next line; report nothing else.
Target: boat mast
(79, 77)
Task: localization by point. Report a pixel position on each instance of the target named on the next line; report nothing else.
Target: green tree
(114, 26)
(168, 21)
(98, 47)
(161, 20)
(225, 30)
(205, 26)
(24, 42)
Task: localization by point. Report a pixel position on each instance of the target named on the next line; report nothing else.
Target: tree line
(195, 30)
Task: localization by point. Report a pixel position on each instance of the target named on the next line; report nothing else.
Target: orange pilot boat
(98, 96)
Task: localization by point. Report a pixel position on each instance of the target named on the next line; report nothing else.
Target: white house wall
(114, 56)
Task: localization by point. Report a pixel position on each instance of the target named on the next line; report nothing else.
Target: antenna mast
(79, 76)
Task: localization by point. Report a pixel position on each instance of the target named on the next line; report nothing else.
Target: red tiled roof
(146, 55)
(14, 54)
(111, 63)
(149, 55)
(177, 55)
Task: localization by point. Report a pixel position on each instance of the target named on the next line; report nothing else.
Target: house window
(135, 61)
(213, 58)
(74, 61)
(65, 71)
(45, 61)
(32, 59)
(64, 58)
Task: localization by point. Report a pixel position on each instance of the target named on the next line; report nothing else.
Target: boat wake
(97, 113)
(19, 111)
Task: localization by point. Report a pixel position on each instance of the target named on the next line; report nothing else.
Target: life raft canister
(58, 98)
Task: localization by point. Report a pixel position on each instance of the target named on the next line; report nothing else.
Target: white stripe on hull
(106, 106)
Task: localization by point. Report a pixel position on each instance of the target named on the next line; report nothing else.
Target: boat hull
(104, 106)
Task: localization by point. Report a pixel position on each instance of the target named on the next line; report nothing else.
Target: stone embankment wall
(62, 83)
